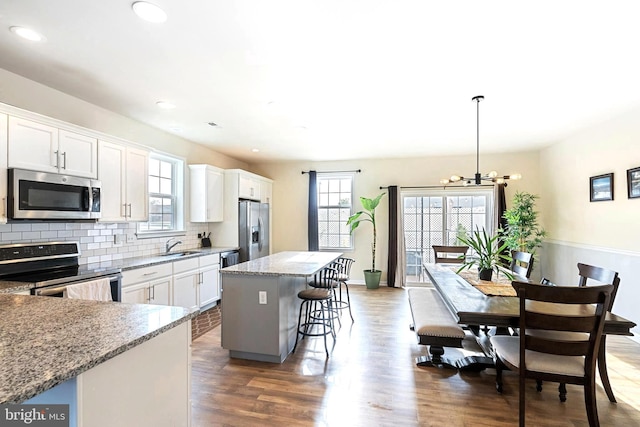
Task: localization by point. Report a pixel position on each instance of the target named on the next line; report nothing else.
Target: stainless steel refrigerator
(254, 230)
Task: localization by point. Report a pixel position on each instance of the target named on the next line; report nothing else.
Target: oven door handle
(45, 292)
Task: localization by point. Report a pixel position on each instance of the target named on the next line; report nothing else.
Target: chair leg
(521, 400)
(499, 368)
(539, 385)
(602, 368)
(562, 391)
(590, 403)
(346, 287)
(298, 327)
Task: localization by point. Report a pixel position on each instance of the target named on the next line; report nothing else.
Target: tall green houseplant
(372, 277)
(523, 233)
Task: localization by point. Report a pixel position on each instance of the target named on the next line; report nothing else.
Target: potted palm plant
(371, 277)
(489, 254)
(522, 232)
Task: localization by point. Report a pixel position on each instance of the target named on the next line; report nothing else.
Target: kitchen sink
(180, 254)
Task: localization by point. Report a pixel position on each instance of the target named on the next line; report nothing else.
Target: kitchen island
(260, 303)
(96, 357)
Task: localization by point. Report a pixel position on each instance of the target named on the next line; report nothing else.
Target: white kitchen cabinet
(248, 186)
(209, 279)
(207, 193)
(266, 191)
(148, 285)
(186, 283)
(123, 171)
(196, 281)
(41, 147)
(3, 167)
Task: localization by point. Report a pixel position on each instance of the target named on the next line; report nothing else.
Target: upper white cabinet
(41, 147)
(266, 191)
(124, 175)
(248, 186)
(207, 193)
(3, 167)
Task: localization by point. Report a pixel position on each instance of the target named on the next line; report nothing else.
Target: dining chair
(449, 254)
(589, 273)
(558, 309)
(521, 263)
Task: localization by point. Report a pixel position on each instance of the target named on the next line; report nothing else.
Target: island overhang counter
(260, 304)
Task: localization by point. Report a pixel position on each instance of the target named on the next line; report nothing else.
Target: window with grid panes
(334, 209)
(436, 218)
(164, 196)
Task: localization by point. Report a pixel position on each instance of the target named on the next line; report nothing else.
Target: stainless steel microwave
(41, 195)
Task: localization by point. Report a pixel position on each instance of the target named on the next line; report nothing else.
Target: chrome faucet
(170, 246)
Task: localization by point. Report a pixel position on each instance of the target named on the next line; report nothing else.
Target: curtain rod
(438, 186)
(358, 171)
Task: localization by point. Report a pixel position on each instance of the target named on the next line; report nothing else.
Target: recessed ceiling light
(175, 128)
(27, 34)
(255, 150)
(149, 12)
(166, 105)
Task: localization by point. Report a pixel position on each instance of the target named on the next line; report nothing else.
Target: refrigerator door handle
(260, 237)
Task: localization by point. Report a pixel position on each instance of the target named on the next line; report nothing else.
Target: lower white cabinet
(196, 281)
(191, 283)
(209, 279)
(186, 281)
(148, 285)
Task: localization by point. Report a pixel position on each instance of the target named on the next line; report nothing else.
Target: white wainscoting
(558, 263)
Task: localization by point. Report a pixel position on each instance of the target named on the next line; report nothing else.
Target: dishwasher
(229, 258)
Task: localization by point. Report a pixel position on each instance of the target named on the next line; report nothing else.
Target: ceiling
(328, 80)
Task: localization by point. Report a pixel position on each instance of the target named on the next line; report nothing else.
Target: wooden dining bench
(435, 326)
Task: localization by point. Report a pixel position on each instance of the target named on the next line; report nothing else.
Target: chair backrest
(601, 275)
(563, 309)
(326, 277)
(521, 263)
(345, 265)
(449, 254)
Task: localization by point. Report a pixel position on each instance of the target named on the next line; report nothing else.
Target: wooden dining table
(482, 312)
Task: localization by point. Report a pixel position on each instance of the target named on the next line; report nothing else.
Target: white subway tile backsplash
(9, 237)
(21, 227)
(96, 239)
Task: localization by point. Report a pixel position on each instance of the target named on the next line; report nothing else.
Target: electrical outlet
(262, 297)
(131, 238)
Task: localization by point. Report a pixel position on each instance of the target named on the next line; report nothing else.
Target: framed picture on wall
(601, 187)
(633, 183)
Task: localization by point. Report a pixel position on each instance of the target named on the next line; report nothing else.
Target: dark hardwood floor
(371, 380)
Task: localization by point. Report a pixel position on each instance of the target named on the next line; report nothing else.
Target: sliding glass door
(436, 217)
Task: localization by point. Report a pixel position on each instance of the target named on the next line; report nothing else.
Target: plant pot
(485, 274)
(372, 278)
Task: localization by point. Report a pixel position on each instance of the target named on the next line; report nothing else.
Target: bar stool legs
(318, 317)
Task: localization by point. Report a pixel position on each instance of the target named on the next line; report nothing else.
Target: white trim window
(335, 202)
(166, 189)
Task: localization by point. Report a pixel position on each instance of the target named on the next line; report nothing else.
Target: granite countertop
(47, 341)
(128, 264)
(284, 264)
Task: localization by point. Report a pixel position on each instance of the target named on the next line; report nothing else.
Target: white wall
(607, 233)
(290, 193)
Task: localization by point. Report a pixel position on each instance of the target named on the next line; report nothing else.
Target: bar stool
(344, 271)
(327, 278)
(318, 320)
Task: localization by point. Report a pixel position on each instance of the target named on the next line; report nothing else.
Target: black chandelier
(478, 178)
